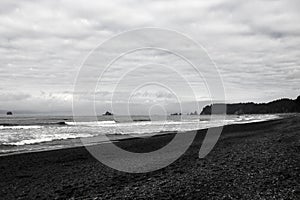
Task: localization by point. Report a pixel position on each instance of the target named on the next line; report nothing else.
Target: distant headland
(278, 106)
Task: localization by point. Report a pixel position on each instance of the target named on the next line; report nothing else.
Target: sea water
(20, 134)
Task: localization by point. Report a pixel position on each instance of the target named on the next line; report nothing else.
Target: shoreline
(125, 138)
(257, 160)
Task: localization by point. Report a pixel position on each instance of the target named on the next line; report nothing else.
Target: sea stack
(107, 113)
(174, 114)
(9, 113)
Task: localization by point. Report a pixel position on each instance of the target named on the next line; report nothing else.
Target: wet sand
(250, 161)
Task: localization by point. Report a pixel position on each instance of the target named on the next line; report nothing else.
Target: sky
(44, 43)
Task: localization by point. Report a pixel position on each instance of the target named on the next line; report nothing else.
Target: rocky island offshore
(107, 113)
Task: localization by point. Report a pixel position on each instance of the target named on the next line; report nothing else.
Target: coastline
(77, 142)
(255, 160)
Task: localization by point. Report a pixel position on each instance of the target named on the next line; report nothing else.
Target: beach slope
(250, 161)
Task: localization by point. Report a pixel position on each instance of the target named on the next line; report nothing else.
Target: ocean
(21, 134)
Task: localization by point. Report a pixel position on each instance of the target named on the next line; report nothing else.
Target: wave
(255, 118)
(133, 123)
(52, 138)
(96, 123)
(20, 127)
(73, 130)
(32, 124)
(61, 123)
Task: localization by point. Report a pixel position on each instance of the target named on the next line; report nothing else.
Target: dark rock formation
(9, 113)
(277, 106)
(107, 114)
(194, 113)
(175, 114)
(298, 100)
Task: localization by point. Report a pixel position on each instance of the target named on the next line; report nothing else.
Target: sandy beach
(250, 161)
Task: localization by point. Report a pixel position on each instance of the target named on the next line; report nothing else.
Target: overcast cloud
(255, 45)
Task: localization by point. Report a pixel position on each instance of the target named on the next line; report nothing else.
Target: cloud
(255, 45)
(14, 96)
